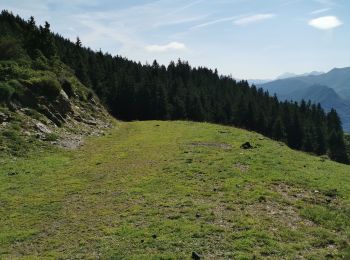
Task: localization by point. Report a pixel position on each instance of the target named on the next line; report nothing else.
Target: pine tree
(320, 140)
(278, 132)
(295, 132)
(336, 144)
(47, 43)
(78, 42)
(337, 148)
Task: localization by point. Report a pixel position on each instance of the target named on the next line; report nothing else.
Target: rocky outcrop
(62, 121)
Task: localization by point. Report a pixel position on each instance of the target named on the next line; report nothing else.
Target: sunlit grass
(165, 189)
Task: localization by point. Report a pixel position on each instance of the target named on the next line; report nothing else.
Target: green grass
(164, 189)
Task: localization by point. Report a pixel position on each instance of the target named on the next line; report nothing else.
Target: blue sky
(245, 38)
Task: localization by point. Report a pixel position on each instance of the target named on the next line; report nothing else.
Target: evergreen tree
(278, 131)
(295, 132)
(47, 42)
(337, 148)
(133, 91)
(78, 43)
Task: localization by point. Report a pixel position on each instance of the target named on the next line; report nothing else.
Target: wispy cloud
(172, 46)
(253, 19)
(186, 7)
(319, 11)
(177, 21)
(221, 20)
(325, 2)
(325, 22)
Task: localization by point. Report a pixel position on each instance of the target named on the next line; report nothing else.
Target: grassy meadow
(162, 190)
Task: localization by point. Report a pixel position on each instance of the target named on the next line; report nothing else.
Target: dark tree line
(132, 91)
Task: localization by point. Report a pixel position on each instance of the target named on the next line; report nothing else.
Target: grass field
(162, 190)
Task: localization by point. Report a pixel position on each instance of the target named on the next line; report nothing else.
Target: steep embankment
(166, 189)
(43, 104)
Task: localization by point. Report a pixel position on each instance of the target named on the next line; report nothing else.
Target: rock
(4, 117)
(93, 101)
(154, 236)
(90, 122)
(196, 256)
(63, 106)
(246, 145)
(42, 128)
(198, 215)
(262, 199)
(64, 94)
(12, 106)
(27, 133)
(50, 115)
(60, 117)
(78, 118)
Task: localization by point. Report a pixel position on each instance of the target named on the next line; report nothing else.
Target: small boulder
(246, 145)
(4, 117)
(42, 128)
(196, 256)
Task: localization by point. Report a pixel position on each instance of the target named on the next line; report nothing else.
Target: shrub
(51, 137)
(12, 70)
(10, 49)
(16, 144)
(40, 62)
(17, 87)
(46, 86)
(90, 95)
(6, 92)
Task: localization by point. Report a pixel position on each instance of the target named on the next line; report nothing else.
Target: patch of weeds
(16, 144)
(51, 137)
(331, 193)
(325, 217)
(34, 114)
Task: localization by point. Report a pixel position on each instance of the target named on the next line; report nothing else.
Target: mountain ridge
(298, 88)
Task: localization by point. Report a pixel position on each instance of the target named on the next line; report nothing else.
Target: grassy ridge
(165, 189)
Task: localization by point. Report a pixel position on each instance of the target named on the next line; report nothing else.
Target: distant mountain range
(331, 90)
(283, 76)
(293, 75)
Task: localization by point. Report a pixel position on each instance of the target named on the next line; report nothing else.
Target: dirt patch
(70, 141)
(241, 167)
(289, 192)
(213, 145)
(285, 214)
(292, 193)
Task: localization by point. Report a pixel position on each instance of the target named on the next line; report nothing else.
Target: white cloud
(172, 46)
(253, 19)
(320, 11)
(325, 22)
